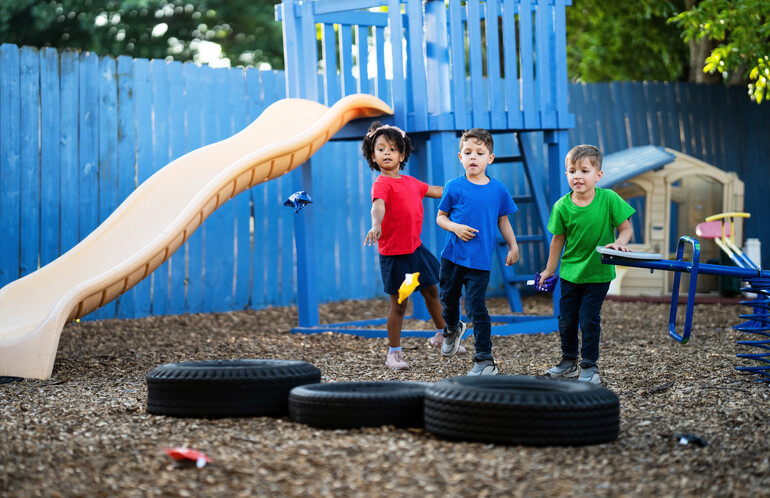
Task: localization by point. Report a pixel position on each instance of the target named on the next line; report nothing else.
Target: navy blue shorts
(394, 269)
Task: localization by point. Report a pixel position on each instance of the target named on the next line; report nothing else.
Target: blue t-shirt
(479, 207)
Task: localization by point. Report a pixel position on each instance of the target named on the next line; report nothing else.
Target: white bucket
(753, 249)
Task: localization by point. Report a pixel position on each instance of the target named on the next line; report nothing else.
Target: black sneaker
(566, 369)
(452, 341)
(483, 367)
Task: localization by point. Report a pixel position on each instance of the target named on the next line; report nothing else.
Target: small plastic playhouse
(672, 193)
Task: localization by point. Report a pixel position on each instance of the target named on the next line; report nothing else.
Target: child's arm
(504, 224)
(434, 192)
(625, 232)
(464, 232)
(554, 255)
(378, 213)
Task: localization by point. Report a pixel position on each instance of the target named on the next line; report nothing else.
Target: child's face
(387, 156)
(475, 157)
(582, 176)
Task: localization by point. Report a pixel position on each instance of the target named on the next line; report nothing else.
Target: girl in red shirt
(396, 227)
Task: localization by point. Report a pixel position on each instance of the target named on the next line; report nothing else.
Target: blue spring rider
(758, 321)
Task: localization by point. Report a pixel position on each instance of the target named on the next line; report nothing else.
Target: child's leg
(396, 320)
(590, 322)
(451, 282)
(569, 313)
(476, 302)
(430, 294)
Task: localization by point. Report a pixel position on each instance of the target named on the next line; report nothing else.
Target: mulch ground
(86, 432)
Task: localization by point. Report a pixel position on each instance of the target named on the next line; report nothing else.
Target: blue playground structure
(758, 321)
(443, 66)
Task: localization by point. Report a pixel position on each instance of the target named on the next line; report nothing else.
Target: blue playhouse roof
(620, 166)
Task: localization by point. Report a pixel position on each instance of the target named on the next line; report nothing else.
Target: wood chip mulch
(86, 432)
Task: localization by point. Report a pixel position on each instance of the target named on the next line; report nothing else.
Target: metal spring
(758, 323)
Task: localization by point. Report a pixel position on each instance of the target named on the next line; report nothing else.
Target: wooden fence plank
(88, 150)
(107, 153)
(29, 91)
(144, 164)
(49, 156)
(457, 52)
(194, 97)
(126, 160)
(177, 132)
(160, 158)
(242, 202)
(346, 60)
(527, 75)
(257, 201)
(362, 62)
(218, 237)
(69, 64)
(10, 167)
(329, 54)
(510, 65)
(497, 103)
(479, 106)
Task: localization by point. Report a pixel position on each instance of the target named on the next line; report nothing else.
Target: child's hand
(545, 274)
(373, 236)
(511, 258)
(465, 232)
(618, 247)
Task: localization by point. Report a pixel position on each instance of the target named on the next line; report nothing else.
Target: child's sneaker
(437, 340)
(483, 367)
(566, 369)
(451, 343)
(396, 361)
(590, 375)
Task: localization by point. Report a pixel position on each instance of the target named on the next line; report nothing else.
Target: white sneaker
(396, 361)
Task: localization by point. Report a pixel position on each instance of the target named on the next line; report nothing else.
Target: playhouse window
(636, 197)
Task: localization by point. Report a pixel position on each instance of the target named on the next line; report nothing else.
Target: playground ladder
(534, 196)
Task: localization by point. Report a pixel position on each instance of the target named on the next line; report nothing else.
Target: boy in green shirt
(580, 221)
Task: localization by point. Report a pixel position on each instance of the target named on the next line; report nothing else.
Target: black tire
(226, 388)
(348, 405)
(532, 411)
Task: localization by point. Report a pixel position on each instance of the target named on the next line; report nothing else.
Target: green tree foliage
(245, 29)
(741, 29)
(624, 40)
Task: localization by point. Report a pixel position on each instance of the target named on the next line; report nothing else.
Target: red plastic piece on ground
(188, 454)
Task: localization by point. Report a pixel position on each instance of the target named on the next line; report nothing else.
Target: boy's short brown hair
(580, 151)
(481, 135)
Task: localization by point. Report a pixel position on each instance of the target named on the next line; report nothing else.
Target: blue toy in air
(298, 200)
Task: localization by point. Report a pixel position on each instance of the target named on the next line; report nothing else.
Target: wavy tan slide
(155, 220)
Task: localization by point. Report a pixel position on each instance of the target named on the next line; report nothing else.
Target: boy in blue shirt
(580, 221)
(472, 209)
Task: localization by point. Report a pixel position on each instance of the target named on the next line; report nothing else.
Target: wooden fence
(79, 132)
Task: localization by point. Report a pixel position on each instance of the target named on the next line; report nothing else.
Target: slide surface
(155, 220)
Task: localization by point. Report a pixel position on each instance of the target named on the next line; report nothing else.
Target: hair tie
(402, 132)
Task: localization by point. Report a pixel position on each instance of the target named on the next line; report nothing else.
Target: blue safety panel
(620, 166)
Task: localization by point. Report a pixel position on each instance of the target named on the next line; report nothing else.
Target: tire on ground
(226, 388)
(524, 410)
(348, 405)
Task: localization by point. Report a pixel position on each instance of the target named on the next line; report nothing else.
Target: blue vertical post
(301, 81)
(558, 146)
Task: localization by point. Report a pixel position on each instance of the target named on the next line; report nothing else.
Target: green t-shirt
(586, 228)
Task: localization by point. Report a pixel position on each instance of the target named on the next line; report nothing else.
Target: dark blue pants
(580, 307)
(452, 279)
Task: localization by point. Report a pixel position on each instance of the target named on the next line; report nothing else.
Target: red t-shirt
(402, 223)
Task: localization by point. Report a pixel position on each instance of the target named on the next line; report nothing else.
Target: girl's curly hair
(393, 135)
